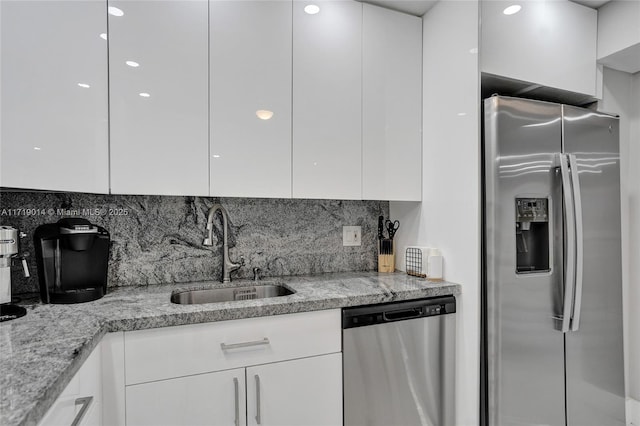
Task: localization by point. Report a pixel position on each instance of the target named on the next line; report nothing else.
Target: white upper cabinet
(159, 76)
(391, 105)
(250, 44)
(327, 100)
(550, 43)
(619, 35)
(54, 106)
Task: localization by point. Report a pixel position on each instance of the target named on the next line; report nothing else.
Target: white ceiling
(594, 4)
(420, 7)
(412, 7)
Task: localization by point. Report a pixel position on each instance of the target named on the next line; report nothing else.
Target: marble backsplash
(158, 239)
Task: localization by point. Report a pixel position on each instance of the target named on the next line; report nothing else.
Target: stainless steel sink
(229, 294)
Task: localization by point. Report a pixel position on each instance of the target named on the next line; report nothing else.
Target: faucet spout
(227, 265)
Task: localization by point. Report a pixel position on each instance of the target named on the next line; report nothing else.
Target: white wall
(633, 296)
(449, 215)
(621, 95)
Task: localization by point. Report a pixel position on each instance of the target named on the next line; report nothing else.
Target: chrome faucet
(227, 265)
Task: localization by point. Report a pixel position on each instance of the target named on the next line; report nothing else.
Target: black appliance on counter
(72, 257)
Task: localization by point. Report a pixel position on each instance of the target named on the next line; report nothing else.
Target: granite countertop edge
(144, 307)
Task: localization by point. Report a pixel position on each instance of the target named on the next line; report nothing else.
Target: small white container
(434, 270)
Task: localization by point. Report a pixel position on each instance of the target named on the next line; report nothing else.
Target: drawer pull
(226, 347)
(86, 403)
(237, 400)
(258, 416)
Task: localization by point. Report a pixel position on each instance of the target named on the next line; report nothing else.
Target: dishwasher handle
(402, 314)
(362, 316)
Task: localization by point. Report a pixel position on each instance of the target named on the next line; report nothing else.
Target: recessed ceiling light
(216, 156)
(474, 50)
(515, 8)
(145, 94)
(103, 36)
(312, 9)
(115, 11)
(84, 85)
(37, 148)
(133, 64)
(462, 114)
(264, 114)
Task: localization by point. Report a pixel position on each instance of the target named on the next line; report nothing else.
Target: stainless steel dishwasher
(399, 363)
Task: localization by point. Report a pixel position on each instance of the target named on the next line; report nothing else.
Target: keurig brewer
(72, 257)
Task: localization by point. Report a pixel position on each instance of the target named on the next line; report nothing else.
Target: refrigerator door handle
(579, 259)
(570, 243)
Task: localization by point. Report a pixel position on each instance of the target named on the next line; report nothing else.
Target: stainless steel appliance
(552, 287)
(9, 250)
(399, 363)
(73, 258)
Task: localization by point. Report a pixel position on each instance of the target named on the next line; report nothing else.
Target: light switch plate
(351, 235)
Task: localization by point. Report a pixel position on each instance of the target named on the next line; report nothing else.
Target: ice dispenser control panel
(532, 235)
(532, 210)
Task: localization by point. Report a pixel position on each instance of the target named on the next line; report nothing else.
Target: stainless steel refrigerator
(552, 285)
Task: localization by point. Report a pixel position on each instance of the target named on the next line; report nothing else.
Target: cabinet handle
(257, 398)
(86, 403)
(237, 399)
(226, 347)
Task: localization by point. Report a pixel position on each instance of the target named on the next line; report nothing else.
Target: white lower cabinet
(305, 391)
(203, 399)
(80, 403)
(95, 394)
(279, 370)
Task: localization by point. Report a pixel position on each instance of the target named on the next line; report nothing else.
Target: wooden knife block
(387, 262)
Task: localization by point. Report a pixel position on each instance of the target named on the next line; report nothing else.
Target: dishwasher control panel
(397, 311)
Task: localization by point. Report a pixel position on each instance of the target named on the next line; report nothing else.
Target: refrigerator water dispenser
(532, 235)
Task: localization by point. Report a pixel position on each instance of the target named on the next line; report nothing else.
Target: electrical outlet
(351, 235)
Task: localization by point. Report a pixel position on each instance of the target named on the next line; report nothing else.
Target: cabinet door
(552, 43)
(250, 98)
(53, 107)
(113, 398)
(305, 391)
(327, 100)
(81, 400)
(159, 75)
(391, 105)
(204, 399)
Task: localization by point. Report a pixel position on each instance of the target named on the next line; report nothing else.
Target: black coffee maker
(72, 257)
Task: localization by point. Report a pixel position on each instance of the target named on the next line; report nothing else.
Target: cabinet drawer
(164, 353)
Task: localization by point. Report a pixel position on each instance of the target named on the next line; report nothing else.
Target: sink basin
(229, 294)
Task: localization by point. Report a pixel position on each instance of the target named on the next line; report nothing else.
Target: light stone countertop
(40, 353)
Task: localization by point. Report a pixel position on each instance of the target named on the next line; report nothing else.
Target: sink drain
(245, 294)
